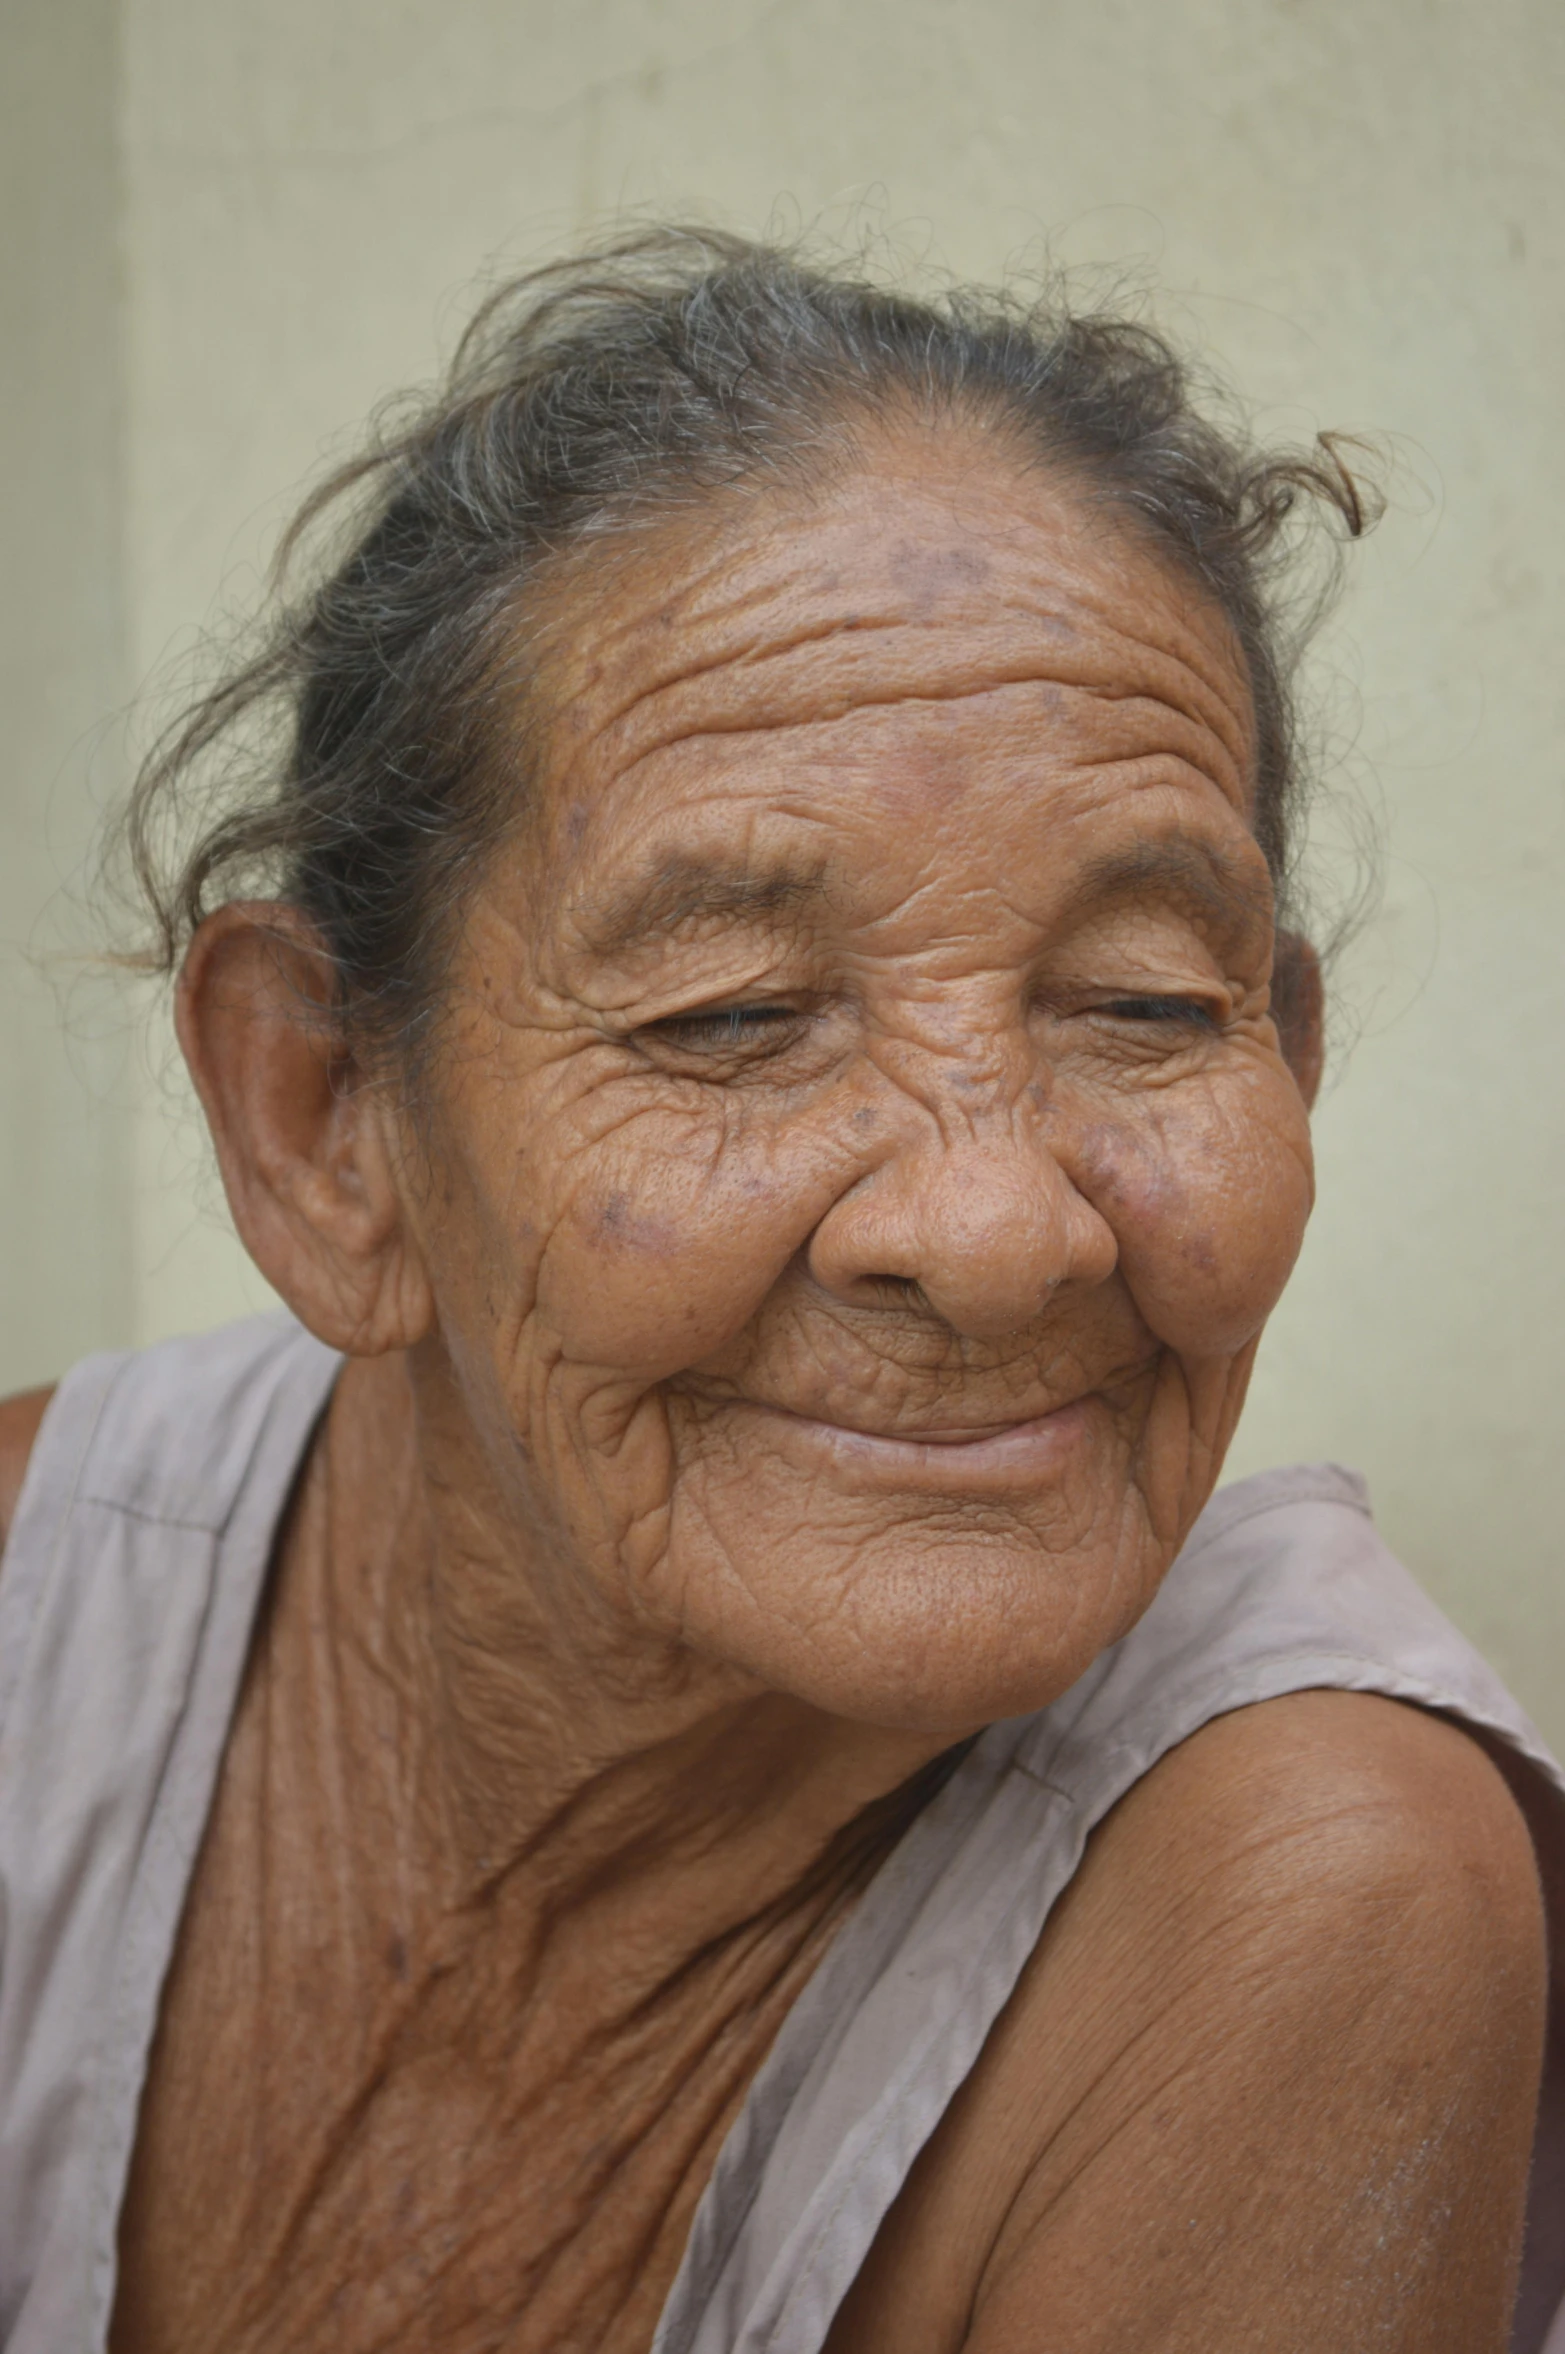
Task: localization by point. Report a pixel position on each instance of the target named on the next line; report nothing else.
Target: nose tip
(990, 1256)
(989, 1235)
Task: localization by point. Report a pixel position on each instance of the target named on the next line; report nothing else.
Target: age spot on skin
(1116, 1168)
(930, 571)
(1199, 1251)
(628, 1229)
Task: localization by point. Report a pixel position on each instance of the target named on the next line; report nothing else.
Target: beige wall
(1359, 210)
(67, 1273)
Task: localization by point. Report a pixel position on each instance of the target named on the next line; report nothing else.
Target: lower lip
(1023, 1455)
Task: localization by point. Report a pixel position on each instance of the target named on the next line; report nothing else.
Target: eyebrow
(1182, 870)
(687, 891)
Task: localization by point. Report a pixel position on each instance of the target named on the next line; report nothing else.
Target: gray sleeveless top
(137, 1557)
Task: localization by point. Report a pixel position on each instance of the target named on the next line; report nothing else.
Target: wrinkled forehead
(940, 575)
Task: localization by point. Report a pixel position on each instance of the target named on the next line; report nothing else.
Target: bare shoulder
(19, 1420)
(1298, 1808)
(1270, 2077)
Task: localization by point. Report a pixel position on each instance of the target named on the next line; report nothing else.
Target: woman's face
(862, 1160)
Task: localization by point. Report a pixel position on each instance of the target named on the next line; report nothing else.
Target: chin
(933, 1633)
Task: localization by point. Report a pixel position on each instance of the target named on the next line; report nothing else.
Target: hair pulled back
(366, 759)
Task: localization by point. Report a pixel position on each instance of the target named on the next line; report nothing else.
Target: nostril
(896, 1291)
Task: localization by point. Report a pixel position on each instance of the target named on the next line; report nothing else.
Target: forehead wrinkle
(659, 656)
(659, 620)
(1125, 668)
(1181, 744)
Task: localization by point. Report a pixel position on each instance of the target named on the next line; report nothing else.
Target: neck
(542, 1744)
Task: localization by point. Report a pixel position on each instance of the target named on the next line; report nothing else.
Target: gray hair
(663, 367)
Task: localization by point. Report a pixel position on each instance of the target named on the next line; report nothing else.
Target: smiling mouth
(959, 1435)
(991, 1457)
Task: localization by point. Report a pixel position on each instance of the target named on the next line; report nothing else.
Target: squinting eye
(729, 1026)
(1192, 1010)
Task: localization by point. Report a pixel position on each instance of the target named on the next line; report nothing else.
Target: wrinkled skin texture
(974, 1122)
(803, 1317)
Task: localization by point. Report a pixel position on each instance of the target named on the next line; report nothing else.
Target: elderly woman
(680, 1758)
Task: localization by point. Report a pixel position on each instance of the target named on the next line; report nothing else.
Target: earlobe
(1299, 1011)
(306, 1147)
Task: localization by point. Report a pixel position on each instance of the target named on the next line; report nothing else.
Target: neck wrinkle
(517, 1777)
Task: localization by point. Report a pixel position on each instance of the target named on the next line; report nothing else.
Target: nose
(983, 1220)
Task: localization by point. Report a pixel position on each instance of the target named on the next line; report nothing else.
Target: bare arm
(19, 1420)
(1270, 2080)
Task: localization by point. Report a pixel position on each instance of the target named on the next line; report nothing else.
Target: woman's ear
(308, 1150)
(1299, 1010)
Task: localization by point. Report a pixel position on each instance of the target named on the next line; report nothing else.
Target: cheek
(573, 1222)
(1208, 1189)
(665, 1248)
